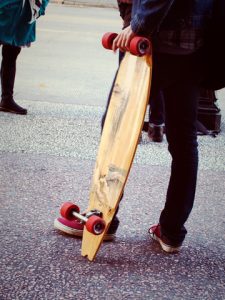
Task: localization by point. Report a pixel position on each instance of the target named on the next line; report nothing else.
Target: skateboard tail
(91, 248)
(85, 252)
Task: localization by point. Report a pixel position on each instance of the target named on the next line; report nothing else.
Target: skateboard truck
(92, 220)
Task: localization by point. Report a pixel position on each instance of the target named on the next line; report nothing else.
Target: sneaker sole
(165, 247)
(78, 233)
(12, 111)
(68, 230)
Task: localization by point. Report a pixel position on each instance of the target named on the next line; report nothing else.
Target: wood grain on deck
(118, 143)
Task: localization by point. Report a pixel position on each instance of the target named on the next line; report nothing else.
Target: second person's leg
(8, 73)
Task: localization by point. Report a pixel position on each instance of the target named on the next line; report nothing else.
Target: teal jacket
(15, 28)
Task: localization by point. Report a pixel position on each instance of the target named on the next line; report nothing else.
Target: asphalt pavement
(47, 158)
(90, 3)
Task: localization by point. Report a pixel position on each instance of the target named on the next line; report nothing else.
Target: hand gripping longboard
(139, 45)
(119, 140)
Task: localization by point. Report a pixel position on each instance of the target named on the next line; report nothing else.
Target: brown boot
(9, 105)
(155, 133)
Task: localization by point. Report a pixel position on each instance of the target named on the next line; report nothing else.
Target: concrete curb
(92, 3)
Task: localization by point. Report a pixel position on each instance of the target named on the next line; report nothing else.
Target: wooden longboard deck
(118, 143)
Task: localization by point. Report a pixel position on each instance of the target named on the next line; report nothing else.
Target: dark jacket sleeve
(125, 12)
(147, 15)
(43, 7)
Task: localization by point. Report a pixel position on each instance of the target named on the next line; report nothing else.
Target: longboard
(119, 140)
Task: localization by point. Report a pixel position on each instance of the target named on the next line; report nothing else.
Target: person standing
(17, 30)
(177, 30)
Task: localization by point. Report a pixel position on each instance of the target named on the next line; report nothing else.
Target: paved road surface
(47, 157)
(68, 64)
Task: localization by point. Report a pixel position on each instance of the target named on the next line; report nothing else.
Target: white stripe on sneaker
(76, 232)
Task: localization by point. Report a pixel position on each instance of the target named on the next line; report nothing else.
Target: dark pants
(8, 70)
(178, 77)
(156, 109)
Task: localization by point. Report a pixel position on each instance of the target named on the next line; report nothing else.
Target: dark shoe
(12, 107)
(165, 244)
(76, 228)
(155, 133)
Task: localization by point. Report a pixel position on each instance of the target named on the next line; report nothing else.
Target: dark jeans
(156, 109)
(178, 77)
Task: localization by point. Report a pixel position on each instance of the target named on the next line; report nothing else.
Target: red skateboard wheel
(107, 40)
(139, 46)
(67, 210)
(95, 225)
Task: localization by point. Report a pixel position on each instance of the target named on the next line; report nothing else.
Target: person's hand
(122, 41)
